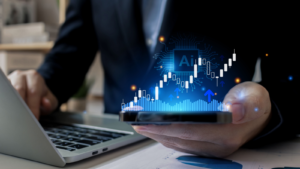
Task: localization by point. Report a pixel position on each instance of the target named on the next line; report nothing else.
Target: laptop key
(64, 132)
(80, 129)
(66, 128)
(103, 135)
(63, 143)
(56, 136)
(66, 148)
(89, 142)
(99, 138)
(71, 139)
(76, 135)
(78, 146)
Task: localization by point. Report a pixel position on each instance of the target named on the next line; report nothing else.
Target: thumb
(247, 102)
(48, 103)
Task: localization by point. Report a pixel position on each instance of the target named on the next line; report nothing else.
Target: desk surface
(94, 162)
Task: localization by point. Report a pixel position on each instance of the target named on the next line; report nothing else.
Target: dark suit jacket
(115, 28)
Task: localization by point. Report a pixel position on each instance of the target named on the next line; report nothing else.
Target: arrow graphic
(221, 57)
(222, 83)
(171, 96)
(177, 90)
(209, 93)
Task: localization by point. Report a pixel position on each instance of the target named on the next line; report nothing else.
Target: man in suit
(126, 33)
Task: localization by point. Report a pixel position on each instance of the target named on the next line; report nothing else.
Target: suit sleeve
(66, 65)
(280, 76)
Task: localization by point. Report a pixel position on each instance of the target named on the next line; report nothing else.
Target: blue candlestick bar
(186, 105)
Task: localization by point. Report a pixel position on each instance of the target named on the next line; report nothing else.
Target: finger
(48, 103)
(18, 81)
(247, 101)
(34, 94)
(195, 147)
(215, 133)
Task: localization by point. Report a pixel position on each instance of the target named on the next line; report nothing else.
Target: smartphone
(165, 118)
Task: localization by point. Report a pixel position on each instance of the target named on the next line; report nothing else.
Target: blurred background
(28, 30)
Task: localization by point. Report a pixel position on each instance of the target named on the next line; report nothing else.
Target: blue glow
(203, 88)
(256, 109)
(185, 105)
(290, 78)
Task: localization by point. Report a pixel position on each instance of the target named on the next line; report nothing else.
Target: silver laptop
(58, 139)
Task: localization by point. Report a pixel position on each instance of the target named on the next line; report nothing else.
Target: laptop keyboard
(72, 138)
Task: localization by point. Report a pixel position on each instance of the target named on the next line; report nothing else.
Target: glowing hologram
(156, 93)
(217, 77)
(177, 90)
(212, 75)
(161, 84)
(186, 105)
(222, 83)
(222, 57)
(229, 62)
(171, 96)
(135, 98)
(139, 93)
(209, 93)
(199, 60)
(123, 104)
(234, 55)
(208, 68)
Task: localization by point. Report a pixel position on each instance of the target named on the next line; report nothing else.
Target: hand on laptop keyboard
(32, 88)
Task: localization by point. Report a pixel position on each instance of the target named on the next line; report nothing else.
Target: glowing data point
(156, 93)
(229, 62)
(135, 98)
(208, 68)
(195, 70)
(131, 104)
(122, 104)
(191, 79)
(161, 84)
(234, 55)
(256, 109)
(140, 93)
(186, 84)
(199, 60)
(237, 80)
(161, 38)
(133, 87)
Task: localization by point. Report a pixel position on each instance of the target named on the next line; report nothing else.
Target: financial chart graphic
(187, 66)
(186, 105)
